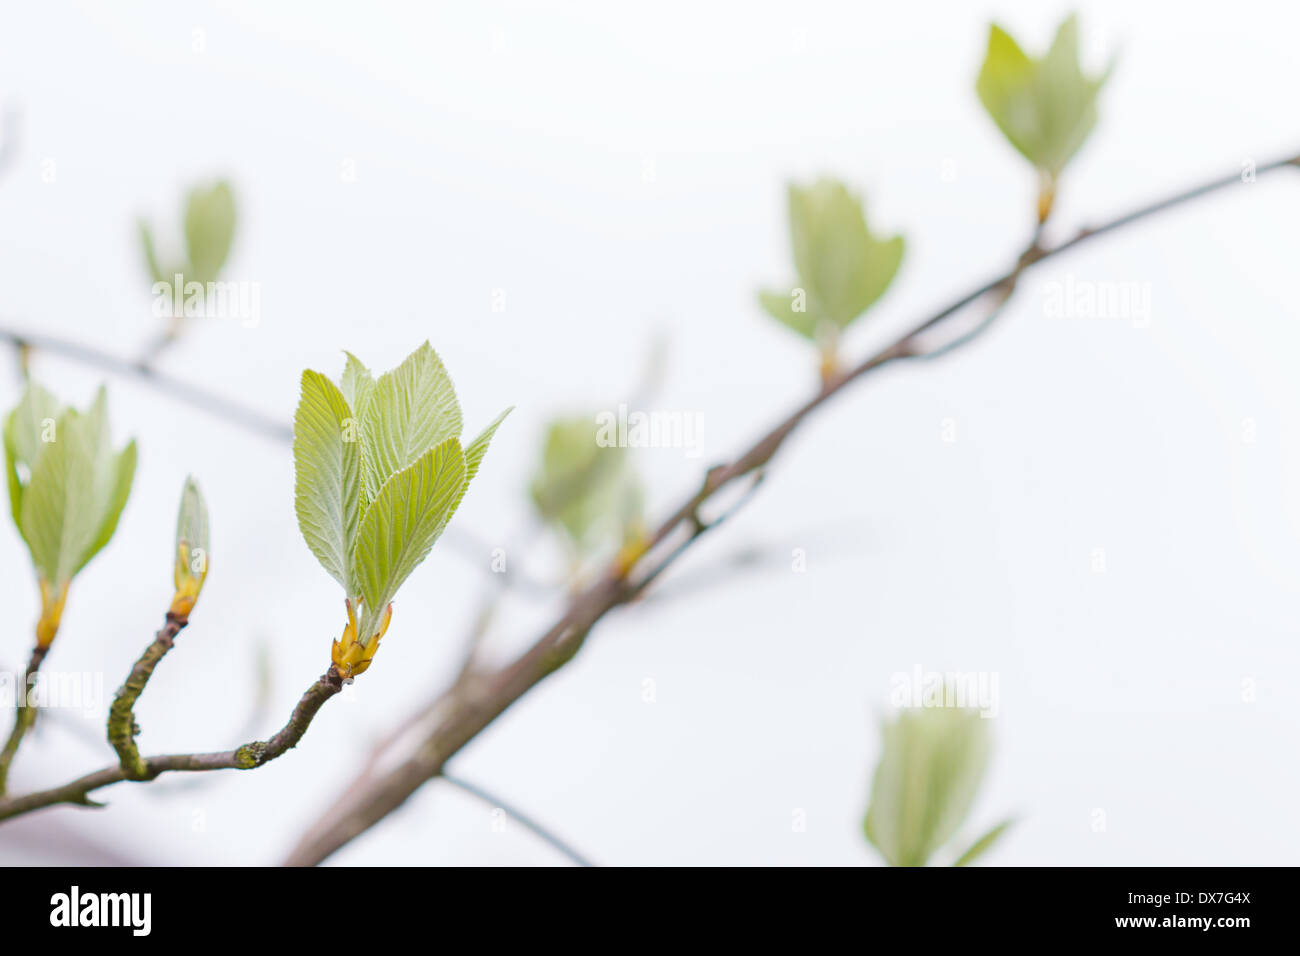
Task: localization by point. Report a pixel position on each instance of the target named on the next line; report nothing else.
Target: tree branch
(122, 727)
(177, 388)
(24, 715)
(474, 700)
(527, 822)
(247, 757)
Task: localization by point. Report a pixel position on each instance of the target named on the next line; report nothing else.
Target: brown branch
(246, 757)
(24, 715)
(122, 727)
(474, 700)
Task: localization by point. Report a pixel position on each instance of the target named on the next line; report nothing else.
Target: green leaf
(209, 230)
(403, 522)
(1045, 107)
(327, 482)
(790, 309)
(357, 385)
(192, 530)
(56, 518)
(475, 451)
(843, 268)
(150, 253)
(932, 762)
(31, 419)
(411, 409)
(117, 476)
(980, 846)
(587, 490)
(67, 487)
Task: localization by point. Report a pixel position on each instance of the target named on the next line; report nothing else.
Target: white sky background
(504, 147)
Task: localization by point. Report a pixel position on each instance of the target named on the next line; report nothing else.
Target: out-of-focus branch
(179, 389)
(527, 822)
(475, 699)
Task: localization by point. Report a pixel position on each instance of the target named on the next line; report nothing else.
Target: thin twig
(247, 757)
(177, 388)
(24, 715)
(526, 821)
(122, 727)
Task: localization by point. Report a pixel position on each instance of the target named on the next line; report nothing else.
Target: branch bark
(24, 715)
(475, 699)
(122, 727)
(247, 757)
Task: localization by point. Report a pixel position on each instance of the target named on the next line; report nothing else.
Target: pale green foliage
(1045, 107)
(67, 487)
(209, 226)
(192, 533)
(842, 268)
(588, 491)
(977, 849)
(932, 762)
(379, 472)
(327, 490)
(408, 516)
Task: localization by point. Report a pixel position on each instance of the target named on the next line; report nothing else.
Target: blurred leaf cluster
(932, 762)
(209, 229)
(590, 493)
(67, 489)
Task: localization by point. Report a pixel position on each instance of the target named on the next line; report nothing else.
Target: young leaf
(373, 503)
(587, 490)
(58, 518)
(191, 552)
(357, 385)
(116, 488)
(209, 230)
(411, 409)
(403, 522)
(192, 531)
(327, 476)
(1045, 107)
(69, 506)
(842, 267)
(150, 253)
(931, 765)
(34, 416)
(980, 846)
(475, 451)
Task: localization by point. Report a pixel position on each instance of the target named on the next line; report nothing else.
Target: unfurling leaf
(842, 267)
(192, 549)
(67, 489)
(209, 227)
(583, 487)
(402, 524)
(931, 765)
(411, 409)
(327, 476)
(379, 472)
(1045, 107)
(209, 230)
